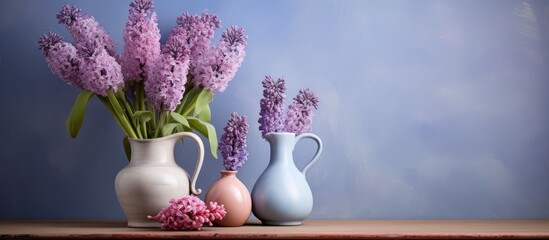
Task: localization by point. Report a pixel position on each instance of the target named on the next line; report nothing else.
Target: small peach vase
(233, 194)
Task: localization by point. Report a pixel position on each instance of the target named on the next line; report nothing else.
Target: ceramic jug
(152, 178)
(281, 195)
(233, 194)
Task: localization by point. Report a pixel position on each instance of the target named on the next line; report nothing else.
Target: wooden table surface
(327, 229)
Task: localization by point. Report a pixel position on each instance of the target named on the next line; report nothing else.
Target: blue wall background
(429, 109)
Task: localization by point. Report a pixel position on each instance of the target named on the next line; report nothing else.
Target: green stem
(129, 113)
(190, 91)
(152, 125)
(190, 106)
(141, 105)
(120, 113)
(105, 102)
(161, 121)
(179, 108)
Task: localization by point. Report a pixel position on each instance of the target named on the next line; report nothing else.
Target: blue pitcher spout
(282, 146)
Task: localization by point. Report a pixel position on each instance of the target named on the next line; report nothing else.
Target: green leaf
(127, 148)
(168, 128)
(143, 116)
(203, 99)
(190, 94)
(179, 128)
(126, 125)
(76, 116)
(179, 118)
(207, 130)
(206, 114)
(197, 125)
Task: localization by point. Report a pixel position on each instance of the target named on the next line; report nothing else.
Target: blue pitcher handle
(199, 160)
(318, 150)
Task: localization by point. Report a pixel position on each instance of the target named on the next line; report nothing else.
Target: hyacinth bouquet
(299, 116)
(152, 90)
(233, 143)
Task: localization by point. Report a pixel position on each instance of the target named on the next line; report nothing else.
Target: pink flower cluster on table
(189, 213)
(299, 117)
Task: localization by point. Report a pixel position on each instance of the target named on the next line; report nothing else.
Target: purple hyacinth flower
(199, 29)
(233, 42)
(196, 31)
(62, 58)
(299, 118)
(68, 15)
(271, 117)
(306, 97)
(141, 6)
(166, 83)
(217, 65)
(141, 41)
(168, 76)
(99, 71)
(177, 48)
(85, 29)
(46, 42)
(233, 142)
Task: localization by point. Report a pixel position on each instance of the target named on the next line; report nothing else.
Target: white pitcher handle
(318, 150)
(199, 160)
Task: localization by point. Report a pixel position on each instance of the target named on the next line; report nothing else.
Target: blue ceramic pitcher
(281, 195)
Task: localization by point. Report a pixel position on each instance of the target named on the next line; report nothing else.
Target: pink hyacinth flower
(188, 213)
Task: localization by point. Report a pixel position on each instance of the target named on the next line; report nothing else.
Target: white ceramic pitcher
(152, 178)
